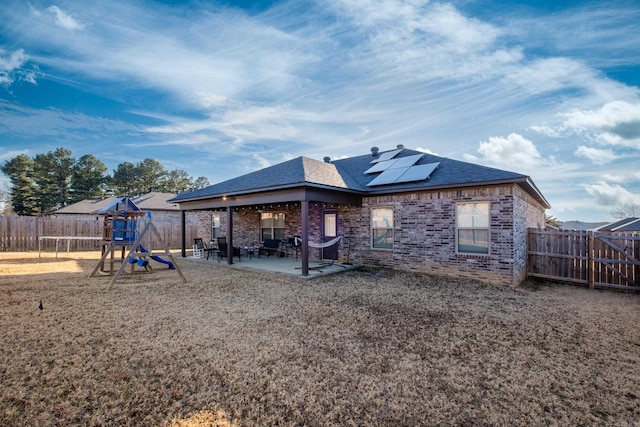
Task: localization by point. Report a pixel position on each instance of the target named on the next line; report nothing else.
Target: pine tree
(24, 199)
(124, 180)
(149, 175)
(88, 179)
(52, 174)
(201, 182)
(176, 181)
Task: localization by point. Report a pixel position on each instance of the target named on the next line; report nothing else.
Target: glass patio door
(329, 232)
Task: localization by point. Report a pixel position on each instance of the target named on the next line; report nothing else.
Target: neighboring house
(162, 210)
(158, 204)
(627, 225)
(402, 209)
(84, 209)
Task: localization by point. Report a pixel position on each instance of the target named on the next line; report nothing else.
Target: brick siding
(424, 231)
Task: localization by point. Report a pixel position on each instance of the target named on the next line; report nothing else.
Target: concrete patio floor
(287, 265)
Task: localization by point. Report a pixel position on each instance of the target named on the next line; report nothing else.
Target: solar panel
(387, 177)
(386, 156)
(404, 162)
(381, 166)
(405, 174)
(418, 172)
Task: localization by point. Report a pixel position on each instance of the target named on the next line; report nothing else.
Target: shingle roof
(85, 206)
(623, 225)
(348, 175)
(156, 201)
(295, 172)
(150, 201)
(449, 172)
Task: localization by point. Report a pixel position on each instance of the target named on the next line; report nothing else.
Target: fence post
(590, 262)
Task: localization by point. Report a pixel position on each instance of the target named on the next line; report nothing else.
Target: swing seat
(143, 262)
(333, 242)
(133, 260)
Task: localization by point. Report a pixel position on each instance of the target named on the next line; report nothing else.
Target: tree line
(46, 182)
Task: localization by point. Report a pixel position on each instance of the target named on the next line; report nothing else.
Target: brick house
(401, 209)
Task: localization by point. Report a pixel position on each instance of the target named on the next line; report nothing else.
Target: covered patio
(300, 186)
(289, 265)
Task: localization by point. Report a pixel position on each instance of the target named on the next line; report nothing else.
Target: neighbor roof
(349, 175)
(623, 225)
(87, 207)
(156, 201)
(150, 201)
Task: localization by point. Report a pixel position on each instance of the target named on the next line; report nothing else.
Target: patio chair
(198, 248)
(270, 246)
(222, 249)
(210, 248)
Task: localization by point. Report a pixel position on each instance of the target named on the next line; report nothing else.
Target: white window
(272, 225)
(215, 226)
(473, 227)
(382, 228)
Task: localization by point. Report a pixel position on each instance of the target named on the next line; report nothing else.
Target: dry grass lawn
(365, 348)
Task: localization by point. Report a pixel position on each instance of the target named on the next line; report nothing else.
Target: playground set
(126, 230)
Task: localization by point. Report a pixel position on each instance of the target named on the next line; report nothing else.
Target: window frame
(216, 218)
(389, 228)
(486, 229)
(273, 217)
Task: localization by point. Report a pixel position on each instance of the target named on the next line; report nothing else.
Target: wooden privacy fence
(21, 233)
(596, 259)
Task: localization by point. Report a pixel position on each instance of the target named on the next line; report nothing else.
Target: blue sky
(548, 89)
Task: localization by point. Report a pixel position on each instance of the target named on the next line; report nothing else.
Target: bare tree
(626, 210)
(5, 202)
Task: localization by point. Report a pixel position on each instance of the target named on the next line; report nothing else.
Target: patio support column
(229, 235)
(304, 252)
(183, 225)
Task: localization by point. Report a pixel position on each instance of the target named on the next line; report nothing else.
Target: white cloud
(64, 19)
(208, 100)
(596, 155)
(546, 130)
(620, 178)
(551, 74)
(512, 151)
(373, 14)
(616, 123)
(259, 162)
(426, 150)
(421, 40)
(30, 77)
(11, 61)
(239, 125)
(459, 31)
(11, 64)
(606, 194)
(609, 116)
(398, 20)
(8, 155)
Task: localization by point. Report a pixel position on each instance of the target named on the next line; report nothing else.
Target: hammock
(332, 242)
(325, 244)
